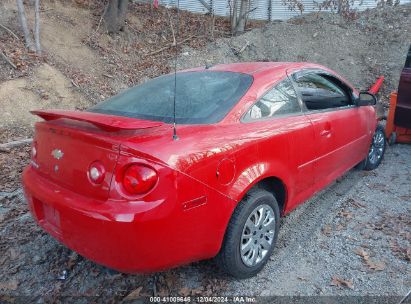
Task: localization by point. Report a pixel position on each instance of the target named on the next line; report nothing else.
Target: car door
(288, 137)
(340, 127)
(402, 116)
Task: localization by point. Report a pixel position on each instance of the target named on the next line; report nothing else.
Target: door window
(320, 92)
(280, 100)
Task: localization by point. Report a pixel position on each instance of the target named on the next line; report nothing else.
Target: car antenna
(175, 137)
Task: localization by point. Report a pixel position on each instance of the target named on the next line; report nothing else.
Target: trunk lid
(70, 141)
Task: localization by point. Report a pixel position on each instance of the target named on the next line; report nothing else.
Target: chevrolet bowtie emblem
(57, 153)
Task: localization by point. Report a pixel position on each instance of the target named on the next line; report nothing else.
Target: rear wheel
(251, 235)
(376, 152)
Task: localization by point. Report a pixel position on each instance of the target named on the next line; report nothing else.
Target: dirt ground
(352, 239)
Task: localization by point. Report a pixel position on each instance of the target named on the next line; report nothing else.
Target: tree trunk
(24, 27)
(234, 17)
(242, 17)
(37, 26)
(115, 16)
(122, 13)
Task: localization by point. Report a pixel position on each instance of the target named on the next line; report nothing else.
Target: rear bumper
(133, 236)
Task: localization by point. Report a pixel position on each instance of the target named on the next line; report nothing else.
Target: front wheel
(251, 235)
(377, 150)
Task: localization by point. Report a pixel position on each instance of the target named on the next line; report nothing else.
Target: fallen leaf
(346, 214)
(163, 292)
(184, 292)
(197, 291)
(356, 204)
(339, 227)
(135, 294)
(377, 266)
(72, 260)
(13, 254)
(327, 230)
(336, 281)
(9, 285)
(406, 197)
(409, 254)
(362, 253)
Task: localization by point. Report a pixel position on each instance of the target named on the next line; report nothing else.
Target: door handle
(325, 132)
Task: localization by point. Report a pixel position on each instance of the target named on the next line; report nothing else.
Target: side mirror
(366, 99)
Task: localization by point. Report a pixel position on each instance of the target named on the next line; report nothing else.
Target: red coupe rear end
(93, 193)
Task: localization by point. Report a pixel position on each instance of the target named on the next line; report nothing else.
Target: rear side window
(320, 92)
(201, 97)
(279, 100)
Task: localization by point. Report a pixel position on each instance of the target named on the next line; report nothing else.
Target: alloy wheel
(258, 234)
(377, 147)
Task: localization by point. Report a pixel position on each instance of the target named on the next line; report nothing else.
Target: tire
(244, 264)
(376, 152)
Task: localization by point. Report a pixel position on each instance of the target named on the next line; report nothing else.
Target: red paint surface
(201, 177)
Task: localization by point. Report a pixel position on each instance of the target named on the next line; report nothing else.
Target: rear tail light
(139, 179)
(96, 172)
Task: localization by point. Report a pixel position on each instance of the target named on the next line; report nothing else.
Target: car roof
(255, 68)
(265, 74)
(265, 70)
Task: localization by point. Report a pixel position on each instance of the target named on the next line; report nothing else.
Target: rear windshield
(201, 97)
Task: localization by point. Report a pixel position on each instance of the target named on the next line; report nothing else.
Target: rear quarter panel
(232, 158)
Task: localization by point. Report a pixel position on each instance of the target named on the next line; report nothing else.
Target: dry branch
(74, 84)
(171, 26)
(10, 31)
(171, 45)
(244, 47)
(99, 24)
(4, 150)
(17, 143)
(206, 5)
(8, 60)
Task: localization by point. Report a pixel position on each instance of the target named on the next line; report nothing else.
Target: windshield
(201, 97)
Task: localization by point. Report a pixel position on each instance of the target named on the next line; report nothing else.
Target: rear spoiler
(103, 121)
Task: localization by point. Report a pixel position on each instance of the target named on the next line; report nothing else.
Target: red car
(253, 141)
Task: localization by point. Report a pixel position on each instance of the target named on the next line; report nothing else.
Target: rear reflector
(33, 150)
(139, 179)
(96, 172)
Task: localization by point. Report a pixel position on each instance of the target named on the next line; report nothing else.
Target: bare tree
(294, 5)
(26, 32)
(239, 11)
(24, 27)
(242, 16)
(115, 15)
(234, 14)
(37, 26)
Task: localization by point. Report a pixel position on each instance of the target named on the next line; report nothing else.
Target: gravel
(368, 210)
